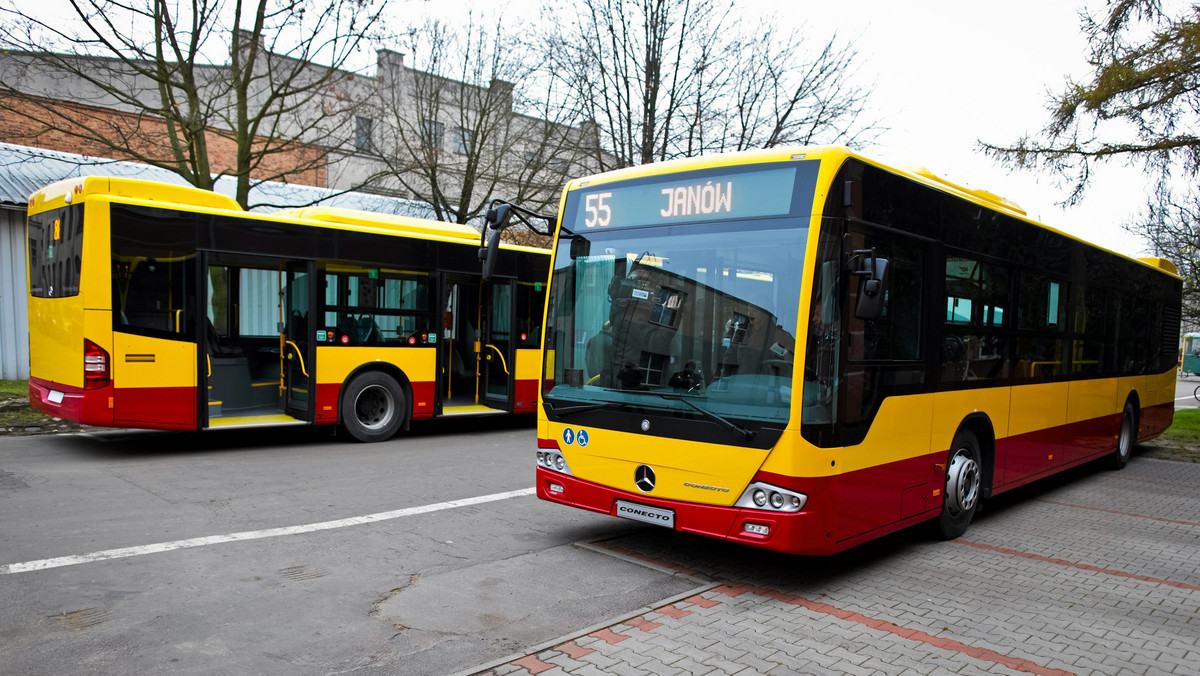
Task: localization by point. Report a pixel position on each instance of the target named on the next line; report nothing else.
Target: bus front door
(296, 347)
(497, 357)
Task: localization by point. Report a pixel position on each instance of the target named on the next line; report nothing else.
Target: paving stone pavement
(1093, 572)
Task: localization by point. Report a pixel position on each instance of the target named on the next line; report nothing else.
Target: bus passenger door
(296, 346)
(498, 356)
(154, 341)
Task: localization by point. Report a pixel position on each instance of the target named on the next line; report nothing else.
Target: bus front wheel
(963, 485)
(372, 406)
(1127, 438)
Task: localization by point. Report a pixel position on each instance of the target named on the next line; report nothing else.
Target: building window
(461, 140)
(666, 307)
(431, 134)
(362, 133)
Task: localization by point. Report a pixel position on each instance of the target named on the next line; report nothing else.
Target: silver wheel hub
(962, 483)
(374, 407)
(1125, 443)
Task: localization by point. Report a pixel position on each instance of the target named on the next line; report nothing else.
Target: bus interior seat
(217, 347)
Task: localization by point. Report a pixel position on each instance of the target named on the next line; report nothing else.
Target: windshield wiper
(572, 410)
(746, 434)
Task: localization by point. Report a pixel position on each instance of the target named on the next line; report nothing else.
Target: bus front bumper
(795, 533)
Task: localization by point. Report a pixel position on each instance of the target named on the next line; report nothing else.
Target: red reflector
(95, 366)
(548, 443)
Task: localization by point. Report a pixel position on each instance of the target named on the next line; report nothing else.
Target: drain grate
(82, 619)
(303, 572)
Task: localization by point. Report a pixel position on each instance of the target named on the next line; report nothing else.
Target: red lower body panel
(328, 393)
(848, 509)
(156, 408)
(87, 407)
(526, 392)
(804, 532)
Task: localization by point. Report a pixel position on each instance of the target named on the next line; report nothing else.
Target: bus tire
(1126, 439)
(964, 475)
(373, 407)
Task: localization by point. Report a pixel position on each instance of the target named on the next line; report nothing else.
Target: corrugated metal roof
(24, 170)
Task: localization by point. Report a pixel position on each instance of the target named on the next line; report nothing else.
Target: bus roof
(838, 155)
(66, 191)
(417, 226)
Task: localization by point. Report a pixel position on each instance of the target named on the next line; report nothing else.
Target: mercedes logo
(643, 478)
(645, 425)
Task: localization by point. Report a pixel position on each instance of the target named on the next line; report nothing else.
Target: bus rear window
(56, 252)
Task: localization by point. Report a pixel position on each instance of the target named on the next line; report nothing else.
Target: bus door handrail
(301, 356)
(503, 363)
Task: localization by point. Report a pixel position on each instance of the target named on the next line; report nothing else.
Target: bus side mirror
(490, 253)
(496, 219)
(581, 247)
(872, 287)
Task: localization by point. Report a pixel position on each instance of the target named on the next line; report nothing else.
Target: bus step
(273, 420)
(476, 409)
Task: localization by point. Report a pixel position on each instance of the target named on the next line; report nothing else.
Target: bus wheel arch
(374, 403)
(1127, 436)
(969, 464)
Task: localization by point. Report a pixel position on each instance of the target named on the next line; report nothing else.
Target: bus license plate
(54, 397)
(639, 512)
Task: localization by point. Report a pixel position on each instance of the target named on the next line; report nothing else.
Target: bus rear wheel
(1127, 438)
(964, 474)
(373, 407)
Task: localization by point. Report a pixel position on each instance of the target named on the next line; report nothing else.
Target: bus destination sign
(744, 194)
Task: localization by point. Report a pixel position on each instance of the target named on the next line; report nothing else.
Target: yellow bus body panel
(529, 365)
(334, 364)
(675, 463)
(55, 344)
(144, 362)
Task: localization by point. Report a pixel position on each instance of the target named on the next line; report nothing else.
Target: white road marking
(126, 552)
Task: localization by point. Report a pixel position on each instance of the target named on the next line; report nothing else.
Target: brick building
(376, 133)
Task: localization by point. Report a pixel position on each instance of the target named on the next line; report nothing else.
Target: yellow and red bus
(166, 307)
(804, 349)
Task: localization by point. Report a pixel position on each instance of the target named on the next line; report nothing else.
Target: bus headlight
(768, 498)
(553, 461)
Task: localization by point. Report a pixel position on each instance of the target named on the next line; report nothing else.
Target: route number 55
(599, 213)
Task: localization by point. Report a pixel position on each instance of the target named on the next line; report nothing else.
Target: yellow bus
(166, 307)
(804, 349)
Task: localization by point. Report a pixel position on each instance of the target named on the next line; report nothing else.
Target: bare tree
(203, 88)
(465, 127)
(678, 78)
(1139, 104)
(1171, 229)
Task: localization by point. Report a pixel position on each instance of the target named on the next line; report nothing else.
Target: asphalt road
(288, 552)
(248, 584)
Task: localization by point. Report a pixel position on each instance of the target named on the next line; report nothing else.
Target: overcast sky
(946, 74)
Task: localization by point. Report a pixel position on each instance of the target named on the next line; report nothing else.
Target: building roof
(24, 170)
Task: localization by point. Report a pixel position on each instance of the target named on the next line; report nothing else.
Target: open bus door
(256, 353)
(298, 365)
(476, 347)
(498, 356)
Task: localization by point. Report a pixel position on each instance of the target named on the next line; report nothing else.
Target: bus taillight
(95, 366)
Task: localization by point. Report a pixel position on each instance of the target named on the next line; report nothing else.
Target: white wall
(14, 325)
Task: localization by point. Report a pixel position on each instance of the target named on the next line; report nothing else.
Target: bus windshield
(682, 318)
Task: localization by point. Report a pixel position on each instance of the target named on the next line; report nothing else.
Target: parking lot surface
(1094, 572)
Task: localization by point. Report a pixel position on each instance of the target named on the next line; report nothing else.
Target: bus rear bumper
(795, 533)
(87, 407)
